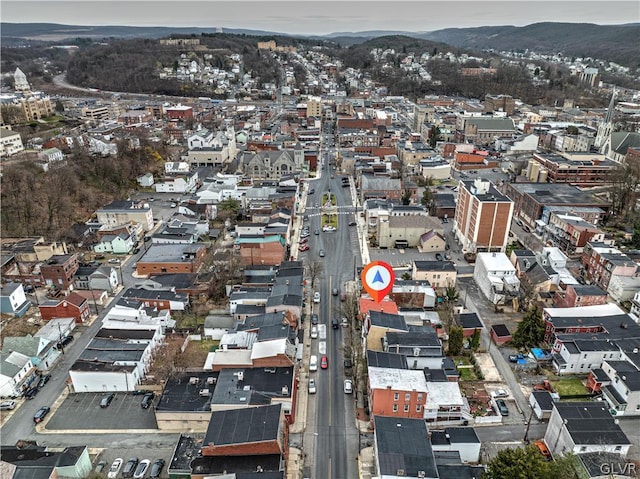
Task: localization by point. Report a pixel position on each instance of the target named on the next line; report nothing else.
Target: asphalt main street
(331, 436)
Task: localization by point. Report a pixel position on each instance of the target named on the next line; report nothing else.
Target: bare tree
(314, 270)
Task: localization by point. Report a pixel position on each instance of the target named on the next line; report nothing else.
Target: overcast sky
(318, 17)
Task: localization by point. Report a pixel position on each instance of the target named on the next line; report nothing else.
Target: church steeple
(606, 125)
(20, 81)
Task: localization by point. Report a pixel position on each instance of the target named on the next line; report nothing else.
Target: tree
(528, 463)
(314, 270)
(406, 197)
(530, 331)
(427, 199)
(228, 209)
(456, 339)
(572, 130)
(474, 342)
(434, 136)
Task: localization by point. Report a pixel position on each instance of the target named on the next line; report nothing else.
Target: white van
(313, 363)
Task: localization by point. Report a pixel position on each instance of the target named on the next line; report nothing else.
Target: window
(618, 448)
(406, 408)
(396, 396)
(419, 397)
(395, 408)
(407, 397)
(419, 407)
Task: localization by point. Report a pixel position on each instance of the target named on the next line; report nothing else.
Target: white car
(7, 405)
(316, 297)
(141, 470)
(115, 468)
(348, 386)
(500, 393)
(312, 386)
(314, 332)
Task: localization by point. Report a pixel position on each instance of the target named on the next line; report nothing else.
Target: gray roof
(379, 183)
(455, 435)
(434, 266)
(544, 400)
(470, 321)
(403, 444)
(591, 423)
(491, 123)
(387, 320)
(244, 426)
(381, 359)
(9, 288)
(27, 345)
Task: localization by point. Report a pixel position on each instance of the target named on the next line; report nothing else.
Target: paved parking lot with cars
(83, 411)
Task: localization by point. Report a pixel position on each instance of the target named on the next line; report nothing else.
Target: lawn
(330, 220)
(569, 386)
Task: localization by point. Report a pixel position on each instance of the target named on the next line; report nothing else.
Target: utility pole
(526, 431)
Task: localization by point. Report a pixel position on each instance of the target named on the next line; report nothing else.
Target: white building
(178, 183)
(495, 276)
(462, 440)
(623, 392)
(580, 427)
(10, 142)
(15, 371)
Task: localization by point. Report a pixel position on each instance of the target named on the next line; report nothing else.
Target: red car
(303, 247)
(304, 240)
(324, 362)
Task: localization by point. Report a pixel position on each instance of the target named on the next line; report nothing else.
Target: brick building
(179, 112)
(483, 217)
(59, 270)
(171, 258)
(72, 306)
(601, 262)
(579, 295)
(267, 250)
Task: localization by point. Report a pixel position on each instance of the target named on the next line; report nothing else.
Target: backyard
(569, 386)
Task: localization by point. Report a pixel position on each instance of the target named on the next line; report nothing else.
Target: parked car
(130, 467)
(502, 407)
(141, 470)
(314, 332)
(136, 250)
(348, 386)
(64, 342)
(303, 247)
(115, 468)
(500, 393)
(304, 240)
(334, 323)
(7, 405)
(312, 386)
(324, 362)
(544, 450)
(40, 414)
(345, 322)
(106, 400)
(314, 319)
(312, 191)
(515, 357)
(321, 253)
(156, 468)
(44, 380)
(31, 392)
(114, 261)
(147, 400)
(100, 466)
(316, 297)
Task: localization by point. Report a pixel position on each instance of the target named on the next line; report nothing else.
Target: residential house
(99, 278)
(39, 350)
(122, 212)
(570, 233)
(376, 326)
(158, 299)
(117, 244)
(483, 217)
(178, 183)
(439, 274)
(410, 293)
(115, 360)
(17, 373)
(10, 142)
(403, 449)
(579, 295)
(421, 346)
(134, 314)
(431, 242)
(59, 270)
(582, 427)
(146, 180)
(56, 329)
(71, 306)
(399, 393)
(602, 262)
(622, 390)
(496, 277)
(13, 300)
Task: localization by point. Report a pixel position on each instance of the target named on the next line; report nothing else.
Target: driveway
(82, 411)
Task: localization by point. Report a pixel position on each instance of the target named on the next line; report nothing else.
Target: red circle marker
(378, 278)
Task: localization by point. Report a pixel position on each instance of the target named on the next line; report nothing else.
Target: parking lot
(83, 411)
